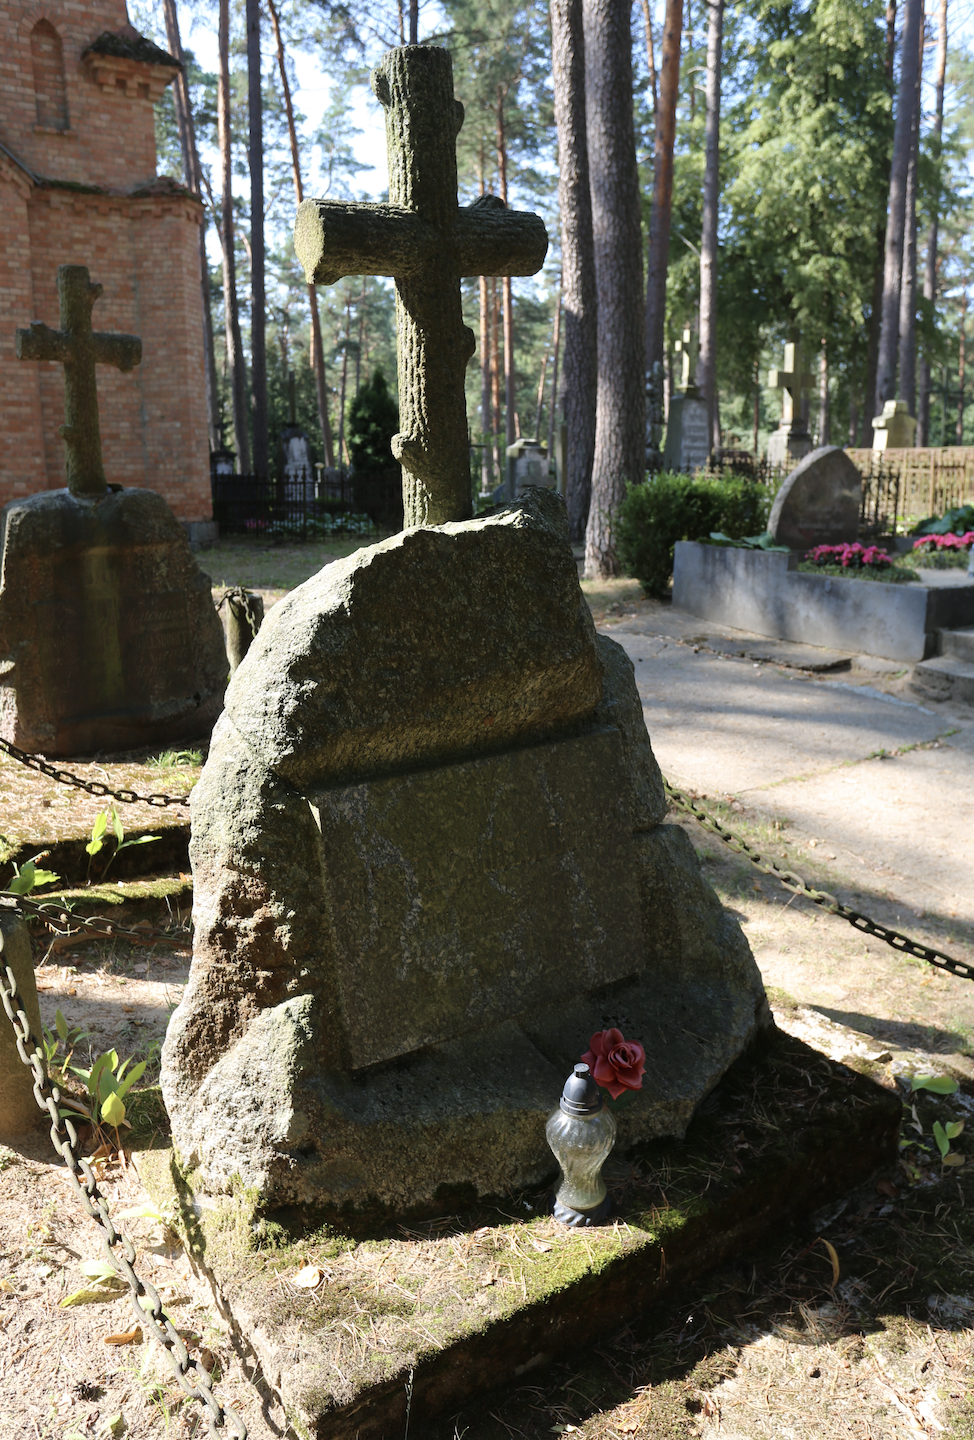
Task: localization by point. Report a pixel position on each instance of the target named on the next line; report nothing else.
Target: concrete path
(866, 778)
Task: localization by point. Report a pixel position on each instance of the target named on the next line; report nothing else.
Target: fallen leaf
(886, 1187)
(207, 1360)
(541, 1245)
(310, 1277)
(953, 1159)
(489, 1280)
(91, 1296)
(127, 1337)
(835, 1261)
(5, 1287)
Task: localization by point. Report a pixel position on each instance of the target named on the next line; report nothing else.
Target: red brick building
(78, 186)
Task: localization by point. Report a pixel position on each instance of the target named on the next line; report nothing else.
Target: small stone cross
(426, 242)
(79, 349)
(791, 381)
(689, 349)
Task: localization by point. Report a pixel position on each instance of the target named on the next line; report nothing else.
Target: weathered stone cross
(426, 242)
(791, 381)
(79, 349)
(689, 349)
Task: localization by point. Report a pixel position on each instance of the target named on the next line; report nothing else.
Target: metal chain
(63, 923)
(795, 883)
(93, 787)
(145, 1298)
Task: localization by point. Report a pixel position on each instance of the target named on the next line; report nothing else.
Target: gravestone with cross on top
(687, 430)
(108, 635)
(791, 440)
(427, 242)
(427, 842)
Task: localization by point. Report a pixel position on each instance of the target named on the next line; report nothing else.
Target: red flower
(617, 1064)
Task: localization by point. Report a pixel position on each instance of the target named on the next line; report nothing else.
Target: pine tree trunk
(485, 416)
(930, 271)
(659, 222)
(553, 407)
(961, 367)
(258, 298)
(908, 282)
(896, 213)
(510, 387)
(317, 353)
(824, 409)
(495, 381)
(579, 364)
(872, 350)
(193, 174)
(707, 361)
(651, 58)
(235, 358)
(620, 423)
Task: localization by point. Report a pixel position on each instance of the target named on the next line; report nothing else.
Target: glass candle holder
(581, 1132)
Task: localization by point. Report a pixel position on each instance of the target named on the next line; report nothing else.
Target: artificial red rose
(616, 1064)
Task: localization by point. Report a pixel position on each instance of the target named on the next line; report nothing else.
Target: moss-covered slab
(461, 1303)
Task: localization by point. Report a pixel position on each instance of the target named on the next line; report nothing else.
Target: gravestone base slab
(108, 635)
(786, 446)
(457, 1306)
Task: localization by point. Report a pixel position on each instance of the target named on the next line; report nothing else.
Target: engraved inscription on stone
(465, 895)
(695, 434)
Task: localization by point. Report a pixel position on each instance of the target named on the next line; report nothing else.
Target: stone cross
(791, 381)
(79, 349)
(426, 242)
(689, 349)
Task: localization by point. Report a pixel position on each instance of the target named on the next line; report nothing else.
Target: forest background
(807, 114)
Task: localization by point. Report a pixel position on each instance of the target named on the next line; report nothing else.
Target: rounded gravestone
(818, 503)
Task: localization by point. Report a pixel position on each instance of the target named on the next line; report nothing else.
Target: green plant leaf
(937, 1084)
(139, 840)
(61, 1025)
(113, 1110)
(124, 1086)
(953, 1128)
(117, 826)
(943, 1144)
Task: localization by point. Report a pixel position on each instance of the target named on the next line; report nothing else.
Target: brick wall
(143, 248)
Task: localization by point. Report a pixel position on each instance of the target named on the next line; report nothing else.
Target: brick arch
(50, 83)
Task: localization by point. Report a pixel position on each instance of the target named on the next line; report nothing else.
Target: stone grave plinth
(687, 446)
(429, 863)
(108, 635)
(791, 441)
(895, 428)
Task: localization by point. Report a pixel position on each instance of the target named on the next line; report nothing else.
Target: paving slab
(802, 749)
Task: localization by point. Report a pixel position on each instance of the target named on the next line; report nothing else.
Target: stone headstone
(528, 463)
(896, 428)
(429, 863)
(296, 455)
(791, 441)
(818, 503)
(108, 635)
(426, 242)
(688, 427)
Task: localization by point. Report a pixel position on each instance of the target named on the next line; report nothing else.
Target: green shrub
(667, 508)
(373, 419)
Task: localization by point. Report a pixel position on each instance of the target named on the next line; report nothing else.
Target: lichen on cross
(79, 349)
(426, 242)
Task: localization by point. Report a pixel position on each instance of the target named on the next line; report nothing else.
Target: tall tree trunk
(659, 223)
(485, 416)
(824, 409)
(510, 403)
(258, 299)
(651, 58)
(579, 366)
(317, 351)
(908, 282)
(961, 365)
(707, 361)
(235, 357)
(193, 173)
(414, 22)
(896, 213)
(876, 312)
(342, 447)
(930, 271)
(620, 422)
(495, 380)
(553, 407)
(541, 379)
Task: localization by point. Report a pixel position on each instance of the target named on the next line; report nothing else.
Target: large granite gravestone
(428, 864)
(427, 844)
(819, 502)
(687, 446)
(108, 635)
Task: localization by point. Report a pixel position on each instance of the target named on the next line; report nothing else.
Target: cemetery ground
(861, 1325)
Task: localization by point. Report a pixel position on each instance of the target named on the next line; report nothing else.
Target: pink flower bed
(945, 542)
(853, 557)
